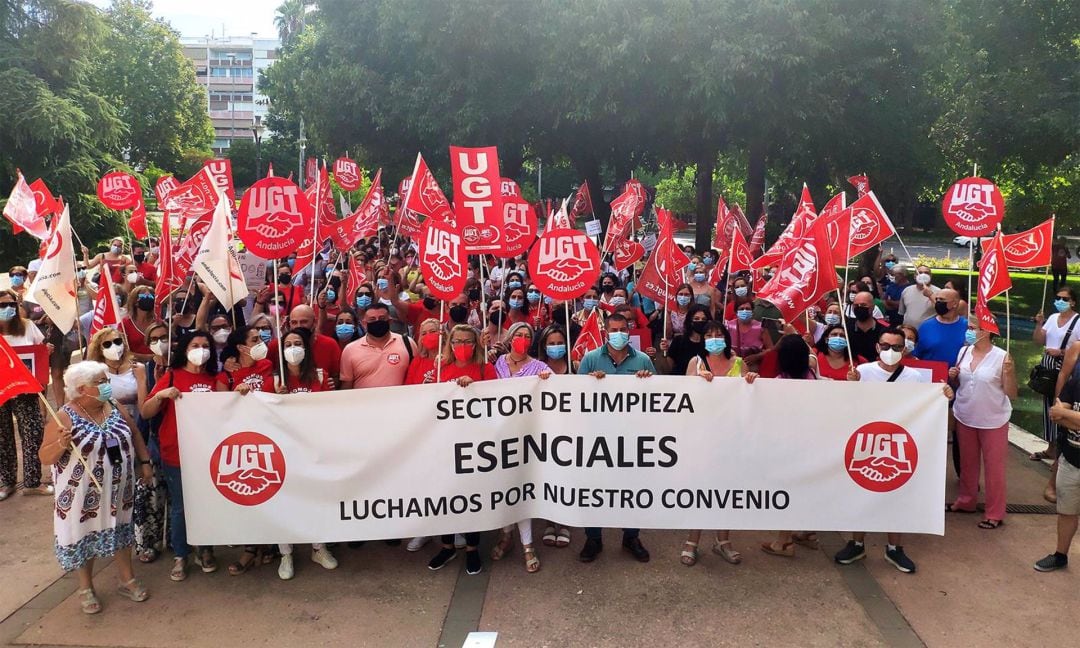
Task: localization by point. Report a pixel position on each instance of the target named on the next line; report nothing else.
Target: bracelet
(144, 462)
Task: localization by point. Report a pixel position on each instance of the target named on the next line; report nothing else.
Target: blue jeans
(595, 533)
(177, 526)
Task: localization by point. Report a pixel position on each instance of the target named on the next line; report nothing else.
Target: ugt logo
(248, 468)
(881, 456)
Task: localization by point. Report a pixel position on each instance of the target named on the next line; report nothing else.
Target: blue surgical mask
(549, 300)
(265, 336)
(7, 314)
(708, 261)
(533, 297)
(516, 302)
(832, 318)
(970, 336)
(291, 262)
(715, 345)
(618, 301)
(363, 301)
(1061, 305)
(344, 331)
(115, 249)
(331, 295)
(682, 300)
(589, 303)
(699, 277)
(513, 284)
(104, 392)
(837, 343)
(741, 291)
(556, 351)
(889, 265)
(17, 281)
(618, 340)
(382, 284)
(80, 274)
(744, 315)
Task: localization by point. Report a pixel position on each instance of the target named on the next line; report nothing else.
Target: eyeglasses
(894, 347)
(108, 343)
(158, 338)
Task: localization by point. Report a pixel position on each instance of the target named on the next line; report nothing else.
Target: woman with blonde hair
(127, 377)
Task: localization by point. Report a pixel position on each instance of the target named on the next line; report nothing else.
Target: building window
(221, 143)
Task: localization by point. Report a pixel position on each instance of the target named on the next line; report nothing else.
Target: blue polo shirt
(939, 341)
(600, 360)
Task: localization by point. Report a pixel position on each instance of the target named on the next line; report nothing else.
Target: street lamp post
(257, 131)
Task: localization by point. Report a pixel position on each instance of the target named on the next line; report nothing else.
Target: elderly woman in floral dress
(92, 520)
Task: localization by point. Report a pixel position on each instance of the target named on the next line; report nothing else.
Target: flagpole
(277, 326)
(971, 266)
(727, 277)
(850, 354)
(315, 238)
(1046, 274)
(71, 444)
(1008, 322)
(438, 356)
(569, 355)
(228, 266)
(847, 265)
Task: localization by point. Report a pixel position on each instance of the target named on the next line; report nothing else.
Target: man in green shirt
(619, 358)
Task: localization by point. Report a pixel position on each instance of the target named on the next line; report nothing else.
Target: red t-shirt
(825, 370)
(186, 382)
(451, 372)
(418, 369)
(417, 314)
(295, 386)
(147, 270)
(327, 353)
(135, 337)
(259, 376)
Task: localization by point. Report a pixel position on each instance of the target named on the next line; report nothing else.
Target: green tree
(144, 73)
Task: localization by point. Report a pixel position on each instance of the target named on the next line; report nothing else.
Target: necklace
(86, 415)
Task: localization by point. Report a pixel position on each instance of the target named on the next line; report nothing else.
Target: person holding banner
(190, 370)
(23, 410)
(832, 358)
(422, 368)
(245, 367)
(467, 366)
(302, 376)
(92, 521)
(984, 378)
(717, 360)
(886, 368)
(552, 349)
(615, 357)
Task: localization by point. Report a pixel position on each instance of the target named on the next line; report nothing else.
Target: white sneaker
(459, 541)
(324, 558)
(285, 569)
(417, 543)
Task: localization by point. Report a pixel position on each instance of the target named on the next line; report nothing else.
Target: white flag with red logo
(802, 276)
(858, 228)
(663, 272)
(21, 209)
(1031, 248)
(54, 286)
(215, 262)
(106, 311)
(559, 219)
(590, 338)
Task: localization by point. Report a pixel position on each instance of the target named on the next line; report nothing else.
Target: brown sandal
(532, 563)
(786, 550)
(248, 559)
(808, 540)
(503, 547)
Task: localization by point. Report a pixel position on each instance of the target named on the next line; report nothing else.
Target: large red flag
(625, 209)
(21, 210)
(626, 253)
(741, 257)
(663, 272)
(364, 221)
(1030, 248)
(724, 225)
(106, 312)
(803, 275)
(15, 377)
(424, 197)
(357, 277)
(590, 338)
(858, 228)
(274, 218)
(519, 226)
(478, 198)
(757, 241)
(442, 260)
(582, 202)
(804, 216)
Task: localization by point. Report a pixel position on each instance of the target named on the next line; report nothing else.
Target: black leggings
(472, 539)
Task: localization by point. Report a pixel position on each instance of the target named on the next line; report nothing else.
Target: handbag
(1043, 379)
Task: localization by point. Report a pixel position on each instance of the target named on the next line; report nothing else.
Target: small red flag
(424, 197)
(1031, 248)
(43, 198)
(804, 274)
(590, 338)
(15, 378)
(757, 241)
(106, 312)
(663, 272)
(582, 202)
(861, 183)
(994, 276)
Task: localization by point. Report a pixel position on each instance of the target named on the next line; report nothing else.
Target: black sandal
(246, 562)
(949, 508)
(990, 524)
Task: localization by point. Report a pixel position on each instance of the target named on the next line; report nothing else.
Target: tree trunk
(755, 180)
(706, 161)
(512, 163)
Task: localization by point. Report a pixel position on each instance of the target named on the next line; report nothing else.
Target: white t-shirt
(872, 372)
(980, 399)
(31, 336)
(915, 306)
(1055, 334)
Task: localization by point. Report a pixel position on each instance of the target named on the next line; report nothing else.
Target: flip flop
(786, 550)
(564, 538)
(990, 524)
(549, 538)
(949, 508)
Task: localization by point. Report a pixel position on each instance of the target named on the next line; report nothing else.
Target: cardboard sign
(592, 227)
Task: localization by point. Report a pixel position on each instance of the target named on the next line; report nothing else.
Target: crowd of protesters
(119, 403)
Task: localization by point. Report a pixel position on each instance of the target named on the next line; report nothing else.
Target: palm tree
(290, 20)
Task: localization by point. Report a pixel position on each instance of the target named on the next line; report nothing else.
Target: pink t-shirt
(365, 365)
(745, 342)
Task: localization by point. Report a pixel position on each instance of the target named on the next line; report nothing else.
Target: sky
(201, 17)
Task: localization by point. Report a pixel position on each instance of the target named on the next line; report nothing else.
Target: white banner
(666, 452)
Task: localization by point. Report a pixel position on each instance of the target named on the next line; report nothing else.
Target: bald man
(863, 329)
(327, 351)
(941, 337)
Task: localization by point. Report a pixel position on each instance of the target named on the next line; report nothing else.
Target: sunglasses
(108, 343)
(7, 304)
(19, 274)
(894, 347)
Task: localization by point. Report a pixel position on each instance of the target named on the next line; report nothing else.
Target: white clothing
(980, 399)
(872, 372)
(916, 307)
(32, 335)
(1056, 326)
(125, 389)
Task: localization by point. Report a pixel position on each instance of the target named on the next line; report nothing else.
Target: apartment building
(228, 67)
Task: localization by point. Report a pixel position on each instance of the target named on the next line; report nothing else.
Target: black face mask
(607, 288)
(283, 279)
(139, 258)
(941, 308)
(145, 304)
(430, 303)
(378, 328)
(474, 295)
(459, 313)
(335, 282)
(862, 313)
(496, 317)
(699, 327)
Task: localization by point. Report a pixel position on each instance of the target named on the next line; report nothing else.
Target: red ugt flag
(590, 338)
(993, 280)
(861, 184)
(15, 378)
(757, 241)
(21, 209)
(105, 310)
(663, 272)
(803, 275)
(582, 202)
(1030, 248)
(478, 197)
(424, 196)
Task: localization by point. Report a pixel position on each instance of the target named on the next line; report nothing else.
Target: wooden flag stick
(71, 444)
(438, 353)
(843, 326)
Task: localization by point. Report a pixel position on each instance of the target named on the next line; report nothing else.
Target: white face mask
(158, 348)
(890, 357)
(258, 352)
(922, 279)
(132, 277)
(294, 355)
(909, 345)
(198, 356)
(221, 335)
(114, 352)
